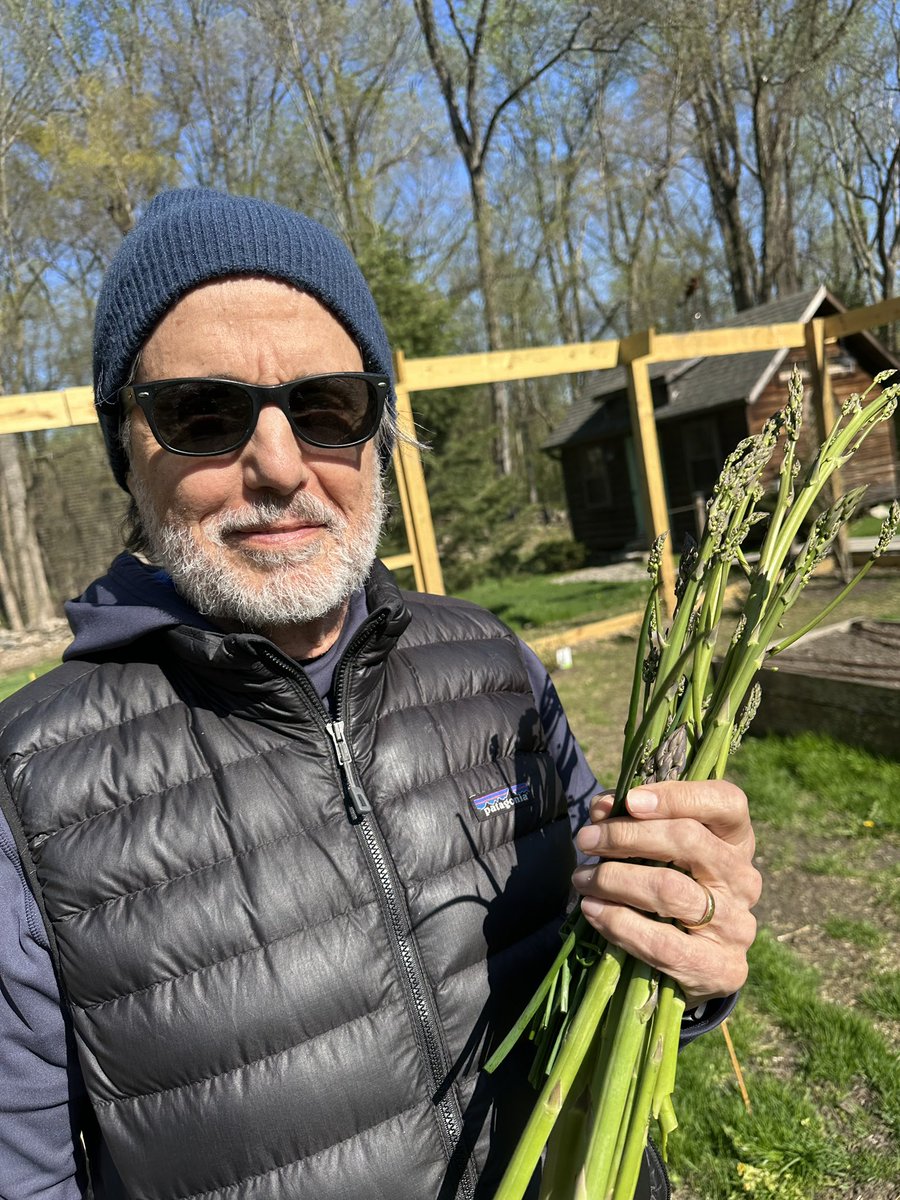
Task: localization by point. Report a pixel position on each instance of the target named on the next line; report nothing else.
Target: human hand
(704, 829)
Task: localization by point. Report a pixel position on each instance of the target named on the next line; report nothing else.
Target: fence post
(414, 494)
(823, 405)
(635, 352)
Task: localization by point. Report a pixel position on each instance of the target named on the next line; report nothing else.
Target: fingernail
(591, 907)
(640, 801)
(601, 806)
(588, 838)
(581, 877)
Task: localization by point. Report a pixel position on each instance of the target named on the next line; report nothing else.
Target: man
(291, 848)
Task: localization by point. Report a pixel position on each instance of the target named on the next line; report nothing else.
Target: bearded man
(285, 848)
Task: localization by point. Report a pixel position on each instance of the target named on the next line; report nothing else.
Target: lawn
(818, 1024)
(531, 602)
(12, 681)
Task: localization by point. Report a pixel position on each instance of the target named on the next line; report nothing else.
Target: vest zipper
(369, 833)
(357, 799)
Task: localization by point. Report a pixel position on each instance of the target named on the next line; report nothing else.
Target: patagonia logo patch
(501, 800)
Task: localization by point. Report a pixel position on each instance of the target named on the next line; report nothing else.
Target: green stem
(625, 1124)
(578, 929)
(629, 1167)
(829, 608)
(650, 728)
(672, 1003)
(634, 703)
(627, 1045)
(604, 977)
(567, 1143)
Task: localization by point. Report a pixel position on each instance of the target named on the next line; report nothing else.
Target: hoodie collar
(130, 601)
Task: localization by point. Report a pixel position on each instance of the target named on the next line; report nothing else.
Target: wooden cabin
(703, 407)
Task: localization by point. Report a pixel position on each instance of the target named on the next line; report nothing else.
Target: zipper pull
(356, 797)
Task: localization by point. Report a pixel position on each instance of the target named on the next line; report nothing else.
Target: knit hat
(192, 235)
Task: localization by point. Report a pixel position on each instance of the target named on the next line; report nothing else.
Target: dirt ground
(18, 651)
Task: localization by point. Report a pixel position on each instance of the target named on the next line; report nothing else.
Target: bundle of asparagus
(606, 1026)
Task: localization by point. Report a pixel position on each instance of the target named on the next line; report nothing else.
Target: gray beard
(289, 587)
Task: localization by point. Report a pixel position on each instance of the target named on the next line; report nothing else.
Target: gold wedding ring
(708, 914)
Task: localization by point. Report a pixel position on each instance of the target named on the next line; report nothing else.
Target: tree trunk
(8, 600)
(500, 397)
(720, 151)
(35, 603)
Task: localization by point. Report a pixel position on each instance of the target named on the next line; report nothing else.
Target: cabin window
(596, 488)
(702, 455)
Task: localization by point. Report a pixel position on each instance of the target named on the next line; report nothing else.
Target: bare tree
(25, 95)
(750, 68)
(484, 58)
(856, 133)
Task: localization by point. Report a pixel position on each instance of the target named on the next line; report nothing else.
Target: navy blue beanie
(192, 235)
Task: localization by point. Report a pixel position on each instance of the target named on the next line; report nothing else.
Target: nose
(273, 458)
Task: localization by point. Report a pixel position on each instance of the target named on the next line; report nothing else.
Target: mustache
(300, 507)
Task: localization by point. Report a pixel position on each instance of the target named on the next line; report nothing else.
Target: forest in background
(508, 173)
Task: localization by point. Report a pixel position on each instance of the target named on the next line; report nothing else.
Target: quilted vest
(287, 941)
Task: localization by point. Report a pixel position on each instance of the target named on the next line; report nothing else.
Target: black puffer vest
(287, 941)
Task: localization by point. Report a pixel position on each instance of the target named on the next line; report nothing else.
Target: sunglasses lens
(334, 410)
(201, 416)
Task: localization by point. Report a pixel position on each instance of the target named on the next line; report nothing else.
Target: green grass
(860, 933)
(883, 995)
(535, 601)
(824, 1089)
(828, 864)
(865, 527)
(838, 787)
(16, 679)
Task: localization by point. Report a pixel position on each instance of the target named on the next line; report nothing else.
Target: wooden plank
(46, 410)
(596, 631)
(408, 522)
(823, 404)
(417, 510)
(858, 320)
(706, 343)
(636, 345)
(394, 562)
(863, 714)
(80, 401)
(653, 492)
(459, 370)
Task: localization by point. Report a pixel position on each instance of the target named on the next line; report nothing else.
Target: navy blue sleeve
(39, 1091)
(580, 785)
(578, 779)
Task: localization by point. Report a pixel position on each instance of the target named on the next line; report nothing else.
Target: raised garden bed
(843, 680)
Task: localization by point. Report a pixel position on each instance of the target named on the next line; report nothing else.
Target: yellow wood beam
(395, 561)
(636, 345)
(414, 493)
(857, 320)
(408, 520)
(47, 410)
(596, 631)
(823, 405)
(709, 343)
(653, 492)
(460, 370)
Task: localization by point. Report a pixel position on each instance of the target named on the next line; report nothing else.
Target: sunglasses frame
(141, 395)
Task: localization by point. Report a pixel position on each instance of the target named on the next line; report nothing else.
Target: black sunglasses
(201, 417)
